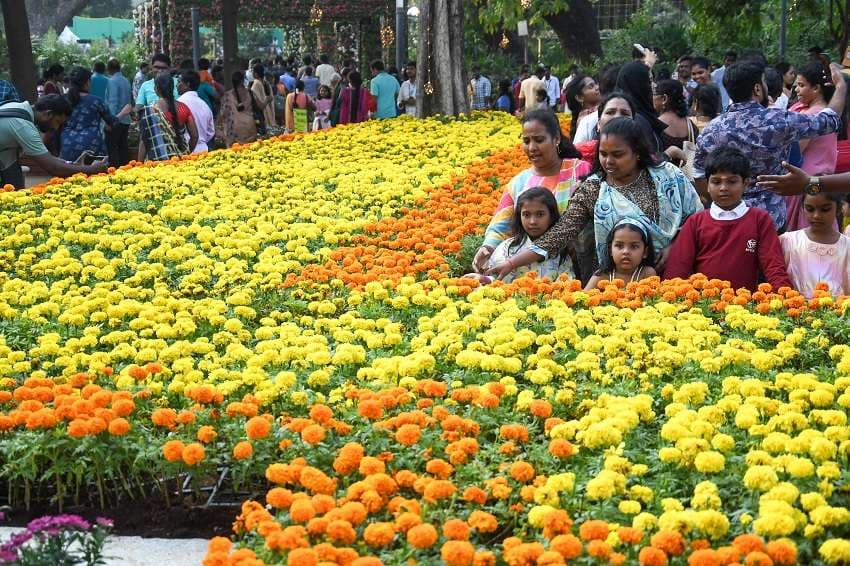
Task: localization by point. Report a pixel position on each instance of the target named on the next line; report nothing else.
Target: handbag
(689, 148)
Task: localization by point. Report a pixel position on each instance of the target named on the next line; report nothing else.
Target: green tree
(573, 21)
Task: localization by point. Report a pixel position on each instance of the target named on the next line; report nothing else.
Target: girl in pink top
(819, 253)
(814, 89)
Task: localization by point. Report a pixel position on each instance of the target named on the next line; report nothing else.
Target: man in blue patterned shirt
(765, 135)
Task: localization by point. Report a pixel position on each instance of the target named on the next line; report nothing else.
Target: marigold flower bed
(283, 311)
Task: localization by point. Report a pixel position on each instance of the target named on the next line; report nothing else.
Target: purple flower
(54, 524)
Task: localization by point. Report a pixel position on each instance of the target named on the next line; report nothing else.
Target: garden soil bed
(146, 518)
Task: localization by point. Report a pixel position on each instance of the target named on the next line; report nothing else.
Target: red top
(183, 113)
(732, 250)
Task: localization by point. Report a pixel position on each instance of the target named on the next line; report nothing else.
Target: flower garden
(287, 316)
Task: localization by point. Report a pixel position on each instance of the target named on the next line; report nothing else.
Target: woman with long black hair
(634, 79)
(355, 101)
(166, 124)
(82, 131)
(237, 114)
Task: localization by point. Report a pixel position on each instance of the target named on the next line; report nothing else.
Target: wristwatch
(813, 186)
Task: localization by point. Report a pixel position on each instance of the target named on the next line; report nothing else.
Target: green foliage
(48, 50)
(496, 15)
(658, 24)
(721, 25)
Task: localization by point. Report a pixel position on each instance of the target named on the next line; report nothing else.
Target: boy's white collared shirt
(720, 214)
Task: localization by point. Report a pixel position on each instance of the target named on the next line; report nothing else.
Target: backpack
(15, 112)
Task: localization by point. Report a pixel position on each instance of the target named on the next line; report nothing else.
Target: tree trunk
(577, 30)
(20, 47)
(839, 25)
(425, 69)
(440, 58)
(52, 14)
(229, 40)
(459, 76)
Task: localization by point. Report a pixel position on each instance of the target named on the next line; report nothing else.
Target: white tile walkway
(138, 551)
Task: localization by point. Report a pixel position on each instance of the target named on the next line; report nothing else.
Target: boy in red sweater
(729, 241)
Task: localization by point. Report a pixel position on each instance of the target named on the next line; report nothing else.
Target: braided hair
(164, 84)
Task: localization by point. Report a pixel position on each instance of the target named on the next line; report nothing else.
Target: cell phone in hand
(90, 158)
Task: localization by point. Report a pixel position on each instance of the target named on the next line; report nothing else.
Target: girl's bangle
(511, 264)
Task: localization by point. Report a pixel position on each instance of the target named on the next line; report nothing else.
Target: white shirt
(722, 214)
(407, 90)
(325, 73)
(553, 89)
(781, 102)
(203, 119)
(586, 127)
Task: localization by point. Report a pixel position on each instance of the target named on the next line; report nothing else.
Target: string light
(428, 88)
(387, 36)
(505, 41)
(526, 4)
(315, 15)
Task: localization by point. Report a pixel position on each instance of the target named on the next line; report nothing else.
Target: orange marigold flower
(406, 521)
(782, 552)
(550, 558)
(78, 428)
(704, 557)
(556, 522)
(279, 498)
(370, 465)
(137, 373)
(561, 448)
(484, 558)
(408, 434)
(186, 417)
(651, 556)
(379, 534)
(193, 453)
(439, 468)
(456, 529)
(119, 427)
(313, 434)
(540, 408)
(422, 536)
(348, 458)
(206, 434)
(302, 557)
(367, 561)
(457, 553)
(164, 417)
(438, 489)
(341, 531)
(748, 543)
(629, 535)
(593, 530)
(758, 558)
(123, 407)
(522, 471)
(243, 450)
(322, 414)
(616, 559)
(482, 522)
(370, 409)
(257, 428)
(172, 450)
(670, 542)
(301, 510)
(598, 549)
(475, 495)
(567, 546)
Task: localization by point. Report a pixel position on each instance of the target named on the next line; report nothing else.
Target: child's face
(819, 211)
(627, 249)
(535, 218)
(726, 189)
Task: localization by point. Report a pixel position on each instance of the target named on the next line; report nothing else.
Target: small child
(505, 102)
(542, 99)
(535, 212)
(321, 119)
(630, 255)
(729, 241)
(819, 253)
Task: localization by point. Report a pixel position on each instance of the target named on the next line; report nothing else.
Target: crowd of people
(736, 171)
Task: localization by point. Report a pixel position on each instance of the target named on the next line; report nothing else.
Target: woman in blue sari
(82, 132)
(626, 182)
